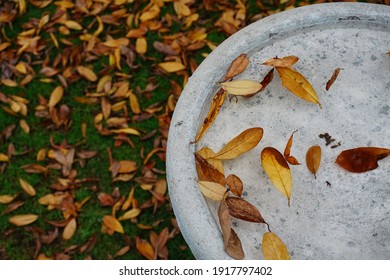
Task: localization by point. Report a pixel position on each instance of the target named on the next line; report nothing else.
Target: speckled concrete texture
(350, 219)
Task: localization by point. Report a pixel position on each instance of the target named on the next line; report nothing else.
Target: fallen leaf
(242, 209)
(333, 78)
(12, 206)
(267, 79)
(171, 67)
(234, 247)
(87, 73)
(274, 248)
(241, 87)
(297, 84)
(24, 125)
(127, 130)
(238, 66)
(361, 159)
(286, 61)
(70, 229)
(71, 24)
(112, 223)
(207, 172)
(131, 214)
(145, 248)
(23, 220)
(277, 170)
(141, 45)
(225, 221)
(290, 159)
(313, 159)
(212, 190)
(56, 96)
(4, 158)
(215, 106)
(27, 187)
(207, 154)
(245, 141)
(235, 184)
(5, 198)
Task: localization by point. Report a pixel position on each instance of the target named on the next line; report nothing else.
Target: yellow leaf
(22, 220)
(171, 66)
(56, 96)
(126, 130)
(127, 166)
(313, 159)
(3, 158)
(286, 61)
(112, 223)
(71, 24)
(207, 154)
(212, 190)
(277, 170)
(9, 83)
(116, 43)
(241, 87)
(274, 248)
(134, 104)
(245, 141)
(130, 214)
(21, 67)
(70, 229)
(141, 45)
(145, 248)
(22, 7)
(215, 107)
(297, 84)
(5, 198)
(24, 125)
(87, 73)
(41, 155)
(27, 187)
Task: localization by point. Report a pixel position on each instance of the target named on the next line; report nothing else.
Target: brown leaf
(267, 79)
(22, 220)
(70, 229)
(206, 153)
(235, 184)
(297, 84)
(87, 73)
(238, 66)
(212, 190)
(234, 247)
(245, 141)
(207, 172)
(112, 223)
(105, 199)
(333, 78)
(290, 159)
(361, 159)
(277, 170)
(224, 221)
(286, 61)
(241, 209)
(313, 159)
(145, 248)
(274, 248)
(241, 87)
(12, 206)
(215, 107)
(122, 251)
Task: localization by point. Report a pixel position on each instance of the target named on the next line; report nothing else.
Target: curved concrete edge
(198, 226)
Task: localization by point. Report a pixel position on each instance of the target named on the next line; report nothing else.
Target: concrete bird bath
(349, 219)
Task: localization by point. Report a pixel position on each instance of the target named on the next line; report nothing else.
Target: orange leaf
(290, 159)
(286, 61)
(238, 66)
(313, 159)
(145, 248)
(112, 223)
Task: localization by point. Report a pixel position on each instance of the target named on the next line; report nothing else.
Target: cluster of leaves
(211, 178)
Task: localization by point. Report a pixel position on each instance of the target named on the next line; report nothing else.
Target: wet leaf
(241, 87)
(56, 96)
(234, 247)
(277, 170)
(242, 209)
(286, 61)
(297, 84)
(225, 221)
(274, 248)
(245, 141)
(70, 229)
(238, 66)
(290, 159)
(333, 78)
(313, 159)
(171, 66)
(145, 248)
(215, 106)
(87, 73)
(212, 190)
(361, 159)
(27, 187)
(207, 172)
(112, 223)
(235, 184)
(207, 154)
(23, 220)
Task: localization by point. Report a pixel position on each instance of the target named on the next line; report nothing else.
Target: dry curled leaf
(273, 247)
(207, 172)
(277, 170)
(333, 78)
(313, 159)
(267, 79)
(23, 220)
(298, 84)
(245, 141)
(215, 106)
(235, 184)
(290, 159)
(212, 190)
(207, 154)
(361, 159)
(69, 229)
(238, 66)
(242, 209)
(286, 61)
(241, 87)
